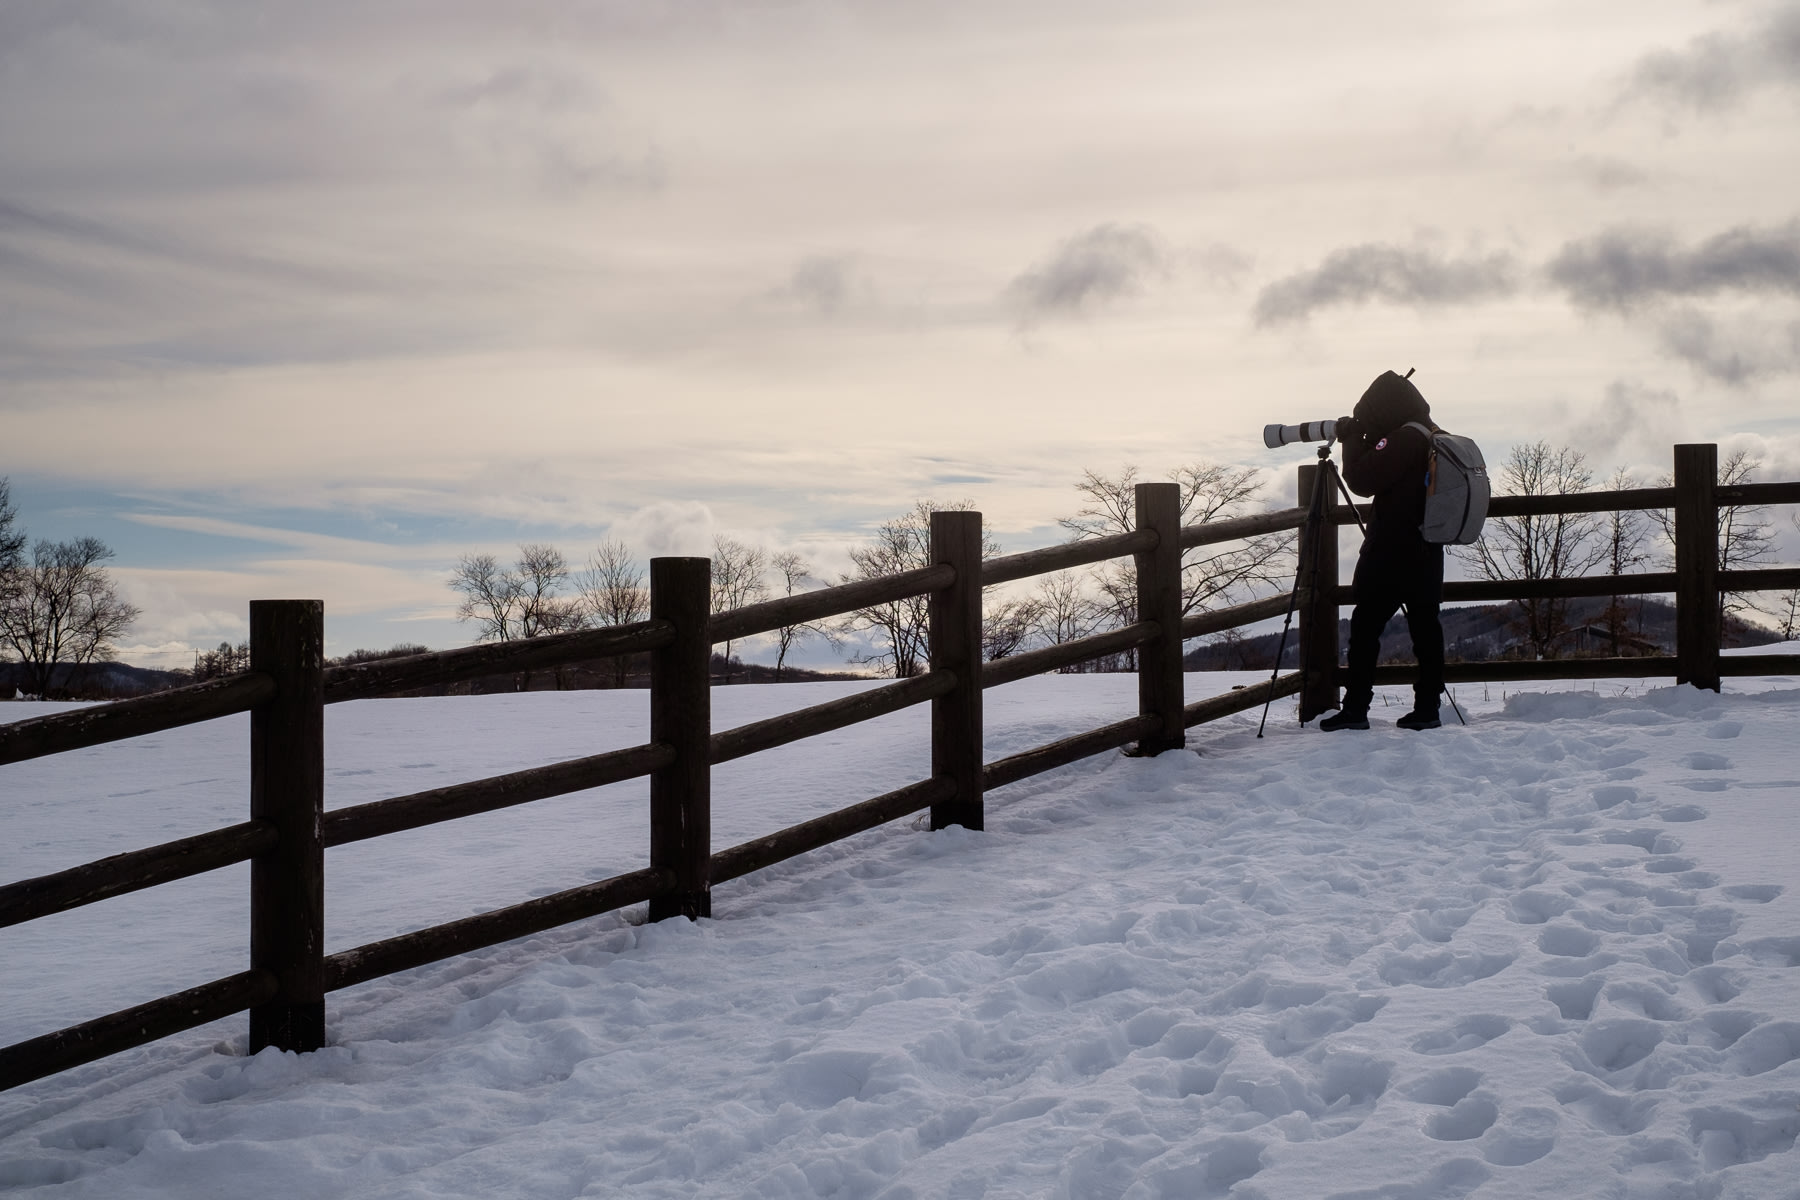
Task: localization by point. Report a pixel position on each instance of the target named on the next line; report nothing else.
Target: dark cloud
(1714, 72)
(1394, 274)
(1737, 356)
(1108, 262)
(1623, 268)
(1633, 416)
(826, 284)
(1607, 174)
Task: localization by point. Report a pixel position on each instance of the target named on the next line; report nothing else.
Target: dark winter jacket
(1386, 459)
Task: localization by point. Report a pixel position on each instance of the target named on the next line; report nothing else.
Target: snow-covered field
(1554, 953)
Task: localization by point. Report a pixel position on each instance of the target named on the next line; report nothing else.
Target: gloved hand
(1349, 429)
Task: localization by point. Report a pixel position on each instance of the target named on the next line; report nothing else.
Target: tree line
(1567, 545)
(539, 592)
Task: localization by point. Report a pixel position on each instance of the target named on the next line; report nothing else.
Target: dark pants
(1386, 578)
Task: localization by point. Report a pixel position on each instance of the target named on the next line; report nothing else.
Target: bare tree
(60, 608)
(1746, 537)
(1007, 625)
(901, 629)
(12, 541)
(1209, 574)
(795, 571)
(1623, 533)
(737, 579)
(611, 591)
(517, 602)
(1556, 546)
(1066, 611)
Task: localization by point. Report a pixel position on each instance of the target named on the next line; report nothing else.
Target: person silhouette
(1387, 456)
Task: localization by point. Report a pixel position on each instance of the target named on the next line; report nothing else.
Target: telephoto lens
(1277, 436)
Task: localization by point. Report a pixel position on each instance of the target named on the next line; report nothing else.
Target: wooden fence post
(1316, 580)
(1158, 509)
(1697, 626)
(287, 789)
(681, 717)
(955, 615)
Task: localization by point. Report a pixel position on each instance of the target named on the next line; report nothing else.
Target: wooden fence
(288, 685)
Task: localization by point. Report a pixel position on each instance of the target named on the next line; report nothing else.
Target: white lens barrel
(1277, 436)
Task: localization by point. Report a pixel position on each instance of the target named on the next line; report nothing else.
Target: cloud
(1714, 72)
(1633, 416)
(1106, 263)
(825, 284)
(1742, 354)
(670, 527)
(1605, 173)
(1415, 275)
(1624, 268)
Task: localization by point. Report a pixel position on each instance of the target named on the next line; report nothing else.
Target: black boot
(1419, 718)
(1346, 718)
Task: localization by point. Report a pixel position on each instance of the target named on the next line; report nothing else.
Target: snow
(1554, 952)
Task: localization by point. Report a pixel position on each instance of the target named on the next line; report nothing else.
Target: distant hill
(1482, 633)
(96, 681)
(120, 681)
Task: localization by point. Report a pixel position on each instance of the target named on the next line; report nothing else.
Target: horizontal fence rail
(1012, 567)
(1015, 667)
(25, 1061)
(347, 968)
(1213, 532)
(358, 822)
(833, 714)
(770, 615)
(795, 840)
(286, 850)
(90, 883)
(101, 723)
(364, 680)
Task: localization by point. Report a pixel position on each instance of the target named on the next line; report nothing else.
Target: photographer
(1386, 459)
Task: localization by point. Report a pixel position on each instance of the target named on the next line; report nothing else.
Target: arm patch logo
(1382, 444)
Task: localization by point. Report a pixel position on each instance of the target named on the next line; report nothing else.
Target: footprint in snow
(1646, 1000)
(1616, 1045)
(1700, 760)
(1442, 968)
(1575, 1000)
(1773, 951)
(1567, 941)
(1755, 893)
(1714, 985)
(1765, 1047)
(1524, 1137)
(1467, 1034)
(1463, 1121)
(1607, 1110)
(1683, 813)
(1445, 1088)
(1536, 907)
(1613, 795)
(1729, 1137)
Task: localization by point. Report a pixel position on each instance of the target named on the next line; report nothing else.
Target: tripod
(1315, 514)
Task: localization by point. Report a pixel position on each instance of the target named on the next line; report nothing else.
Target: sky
(310, 300)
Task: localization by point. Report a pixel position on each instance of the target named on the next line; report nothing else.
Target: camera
(1277, 436)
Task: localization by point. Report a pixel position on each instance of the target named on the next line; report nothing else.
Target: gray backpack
(1456, 488)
